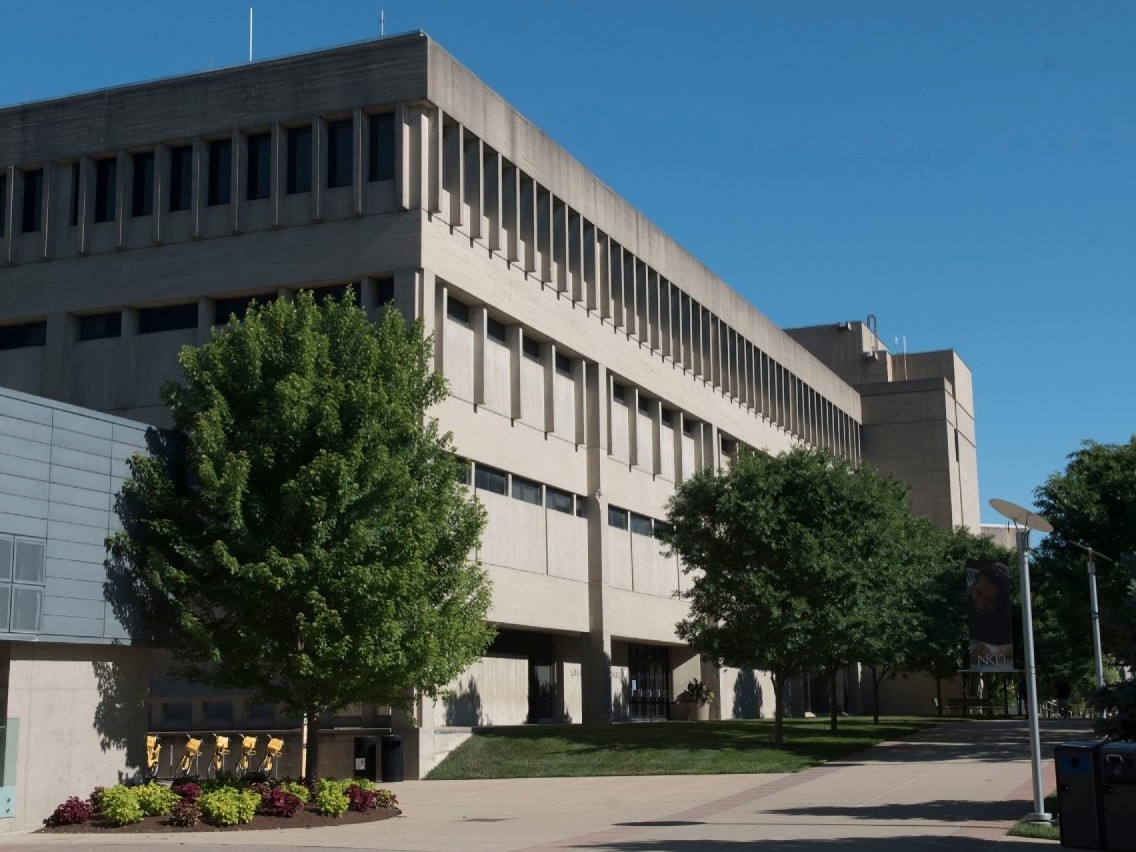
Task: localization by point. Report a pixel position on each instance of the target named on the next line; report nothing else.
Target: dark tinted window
(557, 500)
(168, 318)
(495, 329)
(142, 192)
(340, 145)
(298, 176)
(181, 177)
(99, 326)
(640, 524)
(527, 490)
(23, 335)
(32, 208)
(259, 166)
(489, 479)
(617, 517)
(563, 364)
(581, 505)
(384, 291)
(457, 311)
(74, 218)
(643, 404)
(220, 171)
(617, 392)
(381, 154)
(223, 309)
(106, 181)
(531, 349)
(667, 416)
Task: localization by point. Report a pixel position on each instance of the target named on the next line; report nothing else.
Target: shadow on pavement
(860, 844)
(940, 811)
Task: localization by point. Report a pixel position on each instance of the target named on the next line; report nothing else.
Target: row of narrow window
(501, 482)
(642, 301)
(624, 519)
(339, 159)
(495, 330)
(172, 317)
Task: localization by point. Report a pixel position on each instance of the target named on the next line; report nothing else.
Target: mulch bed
(160, 824)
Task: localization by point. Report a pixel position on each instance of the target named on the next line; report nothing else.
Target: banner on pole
(988, 612)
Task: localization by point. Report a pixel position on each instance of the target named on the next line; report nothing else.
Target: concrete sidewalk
(955, 787)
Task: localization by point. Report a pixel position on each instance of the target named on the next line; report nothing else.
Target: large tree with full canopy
(304, 528)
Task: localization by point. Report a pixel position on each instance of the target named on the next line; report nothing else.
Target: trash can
(392, 758)
(1079, 794)
(1118, 775)
(366, 764)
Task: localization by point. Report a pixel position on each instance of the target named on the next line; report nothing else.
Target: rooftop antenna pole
(382, 22)
(905, 357)
(250, 33)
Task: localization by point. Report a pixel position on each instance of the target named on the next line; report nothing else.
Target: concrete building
(593, 363)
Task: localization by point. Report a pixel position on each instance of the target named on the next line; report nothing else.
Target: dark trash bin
(392, 763)
(1079, 794)
(1118, 776)
(366, 758)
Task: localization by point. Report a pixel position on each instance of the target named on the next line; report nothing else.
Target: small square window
(526, 490)
(298, 168)
(667, 416)
(340, 147)
(181, 178)
(563, 364)
(495, 329)
(618, 393)
(381, 154)
(218, 714)
(617, 518)
(106, 188)
(643, 404)
(100, 326)
(29, 561)
(168, 318)
(220, 171)
(6, 546)
(259, 176)
(687, 427)
(581, 506)
(23, 335)
(641, 524)
(32, 211)
(457, 311)
(489, 479)
(142, 189)
(531, 349)
(384, 291)
(27, 609)
(557, 500)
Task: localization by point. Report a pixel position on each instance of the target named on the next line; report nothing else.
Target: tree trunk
(778, 709)
(832, 699)
(939, 692)
(876, 695)
(312, 769)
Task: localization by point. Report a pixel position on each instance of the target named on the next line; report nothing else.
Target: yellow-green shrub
(154, 799)
(120, 806)
(228, 806)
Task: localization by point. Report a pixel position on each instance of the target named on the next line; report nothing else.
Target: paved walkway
(954, 787)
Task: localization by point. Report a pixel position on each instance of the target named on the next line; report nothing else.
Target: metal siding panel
(35, 469)
(27, 507)
(23, 448)
(10, 427)
(89, 605)
(76, 552)
(62, 626)
(63, 513)
(22, 486)
(78, 533)
(19, 525)
(18, 408)
(75, 422)
(128, 436)
(74, 569)
(80, 478)
(69, 495)
(63, 457)
(94, 444)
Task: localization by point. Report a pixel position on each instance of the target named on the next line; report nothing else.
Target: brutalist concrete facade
(593, 362)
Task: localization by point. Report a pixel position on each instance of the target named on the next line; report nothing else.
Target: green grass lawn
(670, 748)
(1043, 831)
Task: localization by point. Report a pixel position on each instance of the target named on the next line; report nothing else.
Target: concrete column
(546, 265)
(435, 157)
(597, 660)
(58, 378)
(439, 318)
(630, 296)
(631, 403)
(319, 170)
(527, 251)
(548, 362)
(474, 186)
(514, 244)
(453, 171)
(358, 147)
(492, 186)
(513, 341)
(590, 283)
(478, 323)
(198, 188)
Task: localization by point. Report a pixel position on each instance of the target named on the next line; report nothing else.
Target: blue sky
(966, 171)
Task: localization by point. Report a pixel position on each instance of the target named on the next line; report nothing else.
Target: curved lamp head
(1024, 517)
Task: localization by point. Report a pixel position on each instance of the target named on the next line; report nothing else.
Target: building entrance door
(648, 668)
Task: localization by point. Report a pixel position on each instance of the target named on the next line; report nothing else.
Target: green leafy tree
(305, 530)
(939, 645)
(791, 559)
(1092, 501)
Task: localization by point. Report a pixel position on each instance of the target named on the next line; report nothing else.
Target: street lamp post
(1024, 521)
(1095, 607)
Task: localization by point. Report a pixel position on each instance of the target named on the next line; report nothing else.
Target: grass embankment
(673, 748)
(1043, 830)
